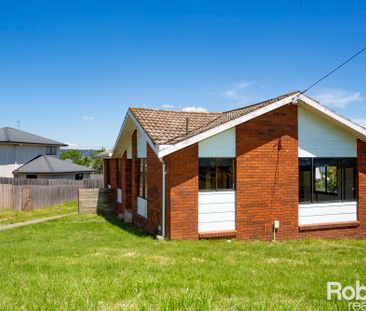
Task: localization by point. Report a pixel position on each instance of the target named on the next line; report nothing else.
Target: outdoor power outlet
(276, 224)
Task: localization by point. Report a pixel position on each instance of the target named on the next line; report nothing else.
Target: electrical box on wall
(276, 224)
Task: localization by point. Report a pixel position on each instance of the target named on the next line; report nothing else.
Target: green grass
(86, 262)
(11, 217)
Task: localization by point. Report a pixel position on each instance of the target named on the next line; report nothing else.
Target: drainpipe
(163, 199)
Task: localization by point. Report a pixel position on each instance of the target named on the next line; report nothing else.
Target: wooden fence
(95, 182)
(99, 201)
(28, 194)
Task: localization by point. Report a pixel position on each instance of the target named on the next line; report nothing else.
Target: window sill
(217, 234)
(330, 225)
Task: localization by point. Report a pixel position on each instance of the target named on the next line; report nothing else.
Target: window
(324, 180)
(31, 176)
(216, 174)
(143, 178)
(79, 176)
(51, 150)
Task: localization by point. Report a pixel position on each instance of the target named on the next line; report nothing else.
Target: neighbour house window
(216, 174)
(79, 176)
(143, 178)
(324, 180)
(51, 150)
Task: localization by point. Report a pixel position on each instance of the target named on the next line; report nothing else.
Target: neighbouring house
(50, 167)
(23, 154)
(287, 165)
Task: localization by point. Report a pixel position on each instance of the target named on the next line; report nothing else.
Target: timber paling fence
(26, 194)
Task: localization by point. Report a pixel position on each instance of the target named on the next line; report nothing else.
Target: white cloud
(338, 98)
(194, 109)
(235, 91)
(88, 118)
(70, 146)
(167, 106)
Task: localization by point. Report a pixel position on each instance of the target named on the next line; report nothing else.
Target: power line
(334, 70)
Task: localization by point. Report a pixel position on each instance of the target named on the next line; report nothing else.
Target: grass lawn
(85, 262)
(11, 217)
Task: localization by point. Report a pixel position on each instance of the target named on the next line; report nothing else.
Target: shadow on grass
(130, 228)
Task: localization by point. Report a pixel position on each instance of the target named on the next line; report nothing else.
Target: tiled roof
(167, 127)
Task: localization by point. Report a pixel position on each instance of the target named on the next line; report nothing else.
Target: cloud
(338, 98)
(194, 109)
(70, 146)
(235, 91)
(88, 118)
(167, 106)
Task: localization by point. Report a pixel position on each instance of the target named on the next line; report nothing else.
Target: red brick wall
(114, 173)
(182, 193)
(154, 191)
(267, 175)
(134, 176)
(122, 182)
(106, 172)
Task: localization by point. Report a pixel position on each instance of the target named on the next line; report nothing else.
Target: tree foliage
(90, 161)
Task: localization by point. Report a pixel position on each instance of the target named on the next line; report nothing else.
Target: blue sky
(70, 69)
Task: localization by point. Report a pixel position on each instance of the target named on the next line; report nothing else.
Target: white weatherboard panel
(219, 145)
(319, 137)
(142, 207)
(320, 213)
(119, 195)
(216, 211)
(141, 145)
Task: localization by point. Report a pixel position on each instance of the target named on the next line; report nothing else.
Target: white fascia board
(119, 134)
(137, 124)
(359, 130)
(216, 130)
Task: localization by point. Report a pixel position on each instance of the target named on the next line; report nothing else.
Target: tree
(97, 163)
(74, 155)
(90, 161)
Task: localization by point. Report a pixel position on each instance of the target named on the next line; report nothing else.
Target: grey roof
(10, 135)
(50, 165)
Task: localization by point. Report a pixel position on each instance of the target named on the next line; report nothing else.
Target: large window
(216, 174)
(143, 178)
(323, 179)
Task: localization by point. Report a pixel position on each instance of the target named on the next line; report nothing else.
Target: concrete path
(34, 221)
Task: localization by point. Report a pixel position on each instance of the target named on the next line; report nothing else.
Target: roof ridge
(7, 137)
(48, 163)
(170, 110)
(263, 101)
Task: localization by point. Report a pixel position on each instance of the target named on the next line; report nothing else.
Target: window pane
(327, 183)
(349, 179)
(304, 180)
(207, 178)
(225, 174)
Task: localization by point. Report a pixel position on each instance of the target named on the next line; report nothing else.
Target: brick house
(287, 162)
